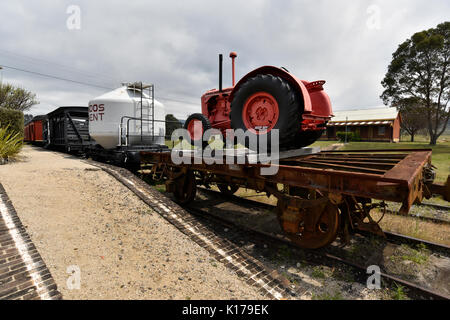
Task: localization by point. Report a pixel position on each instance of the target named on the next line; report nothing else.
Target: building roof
(379, 114)
(67, 108)
(36, 118)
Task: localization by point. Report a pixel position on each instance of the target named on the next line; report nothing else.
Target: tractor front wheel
(196, 125)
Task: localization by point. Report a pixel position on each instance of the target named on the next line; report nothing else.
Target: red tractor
(266, 98)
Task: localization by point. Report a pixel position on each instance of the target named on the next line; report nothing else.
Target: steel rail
(415, 290)
(393, 237)
(436, 206)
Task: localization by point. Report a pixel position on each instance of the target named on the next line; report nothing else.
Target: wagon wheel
(185, 188)
(309, 224)
(228, 189)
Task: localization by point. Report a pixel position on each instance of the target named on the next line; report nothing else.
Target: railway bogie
(319, 196)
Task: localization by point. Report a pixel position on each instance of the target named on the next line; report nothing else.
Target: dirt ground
(79, 217)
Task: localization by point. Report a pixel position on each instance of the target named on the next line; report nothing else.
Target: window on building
(381, 131)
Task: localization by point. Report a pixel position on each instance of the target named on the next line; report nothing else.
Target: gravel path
(80, 216)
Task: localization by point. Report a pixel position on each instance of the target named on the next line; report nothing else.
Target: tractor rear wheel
(196, 125)
(263, 103)
(306, 138)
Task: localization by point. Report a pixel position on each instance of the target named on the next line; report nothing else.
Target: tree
(27, 117)
(172, 123)
(420, 69)
(412, 116)
(16, 98)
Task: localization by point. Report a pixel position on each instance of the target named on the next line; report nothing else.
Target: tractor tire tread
(293, 110)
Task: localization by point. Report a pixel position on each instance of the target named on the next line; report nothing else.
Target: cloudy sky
(174, 44)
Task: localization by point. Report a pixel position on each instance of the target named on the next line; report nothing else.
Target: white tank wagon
(125, 122)
(127, 116)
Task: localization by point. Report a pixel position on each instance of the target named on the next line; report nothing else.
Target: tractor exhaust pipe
(220, 72)
(232, 56)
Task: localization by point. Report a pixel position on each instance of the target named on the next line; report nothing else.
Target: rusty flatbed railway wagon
(320, 195)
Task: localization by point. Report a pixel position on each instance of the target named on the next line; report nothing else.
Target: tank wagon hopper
(68, 129)
(320, 196)
(125, 122)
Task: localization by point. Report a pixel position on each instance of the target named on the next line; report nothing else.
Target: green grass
(323, 143)
(327, 296)
(160, 188)
(418, 256)
(399, 293)
(343, 275)
(285, 252)
(172, 144)
(440, 156)
(318, 273)
(424, 137)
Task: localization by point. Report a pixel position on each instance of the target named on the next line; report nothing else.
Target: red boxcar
(34, 130)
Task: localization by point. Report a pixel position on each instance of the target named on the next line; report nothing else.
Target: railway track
(391, 236)
(314, 256)
(435, 206)
(241, 232)
(443, 217)
(322, 255)
(442, 208)
(317, 256)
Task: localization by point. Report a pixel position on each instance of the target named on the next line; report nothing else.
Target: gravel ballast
(78, 215)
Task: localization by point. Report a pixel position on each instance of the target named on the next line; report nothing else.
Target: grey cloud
(175, 45)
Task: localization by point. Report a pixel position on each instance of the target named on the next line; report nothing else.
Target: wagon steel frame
(332, 189)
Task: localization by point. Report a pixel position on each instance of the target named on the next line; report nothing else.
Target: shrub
(341, 135)
(12, 119)
(351, 136)
(10, 143)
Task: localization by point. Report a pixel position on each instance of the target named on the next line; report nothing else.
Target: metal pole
(346, 119)
(220, 72)
(232, 56)
(153, 112)
(141, 112)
